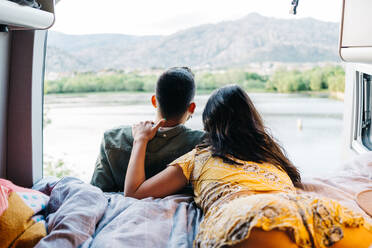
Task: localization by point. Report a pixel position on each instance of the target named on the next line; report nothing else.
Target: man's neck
(169, 123)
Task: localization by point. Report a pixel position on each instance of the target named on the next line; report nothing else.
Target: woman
(245, 184)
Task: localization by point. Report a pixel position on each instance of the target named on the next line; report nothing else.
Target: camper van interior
(77, 214)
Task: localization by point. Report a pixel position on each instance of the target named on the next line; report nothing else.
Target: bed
(80, 215)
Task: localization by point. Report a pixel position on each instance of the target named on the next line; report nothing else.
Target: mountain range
(254, 38)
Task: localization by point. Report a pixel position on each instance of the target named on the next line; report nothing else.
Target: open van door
(23, 34)
(356, 49)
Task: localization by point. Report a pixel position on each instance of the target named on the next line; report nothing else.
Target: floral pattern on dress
(237, 198)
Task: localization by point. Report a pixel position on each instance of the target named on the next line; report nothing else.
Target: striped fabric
(4, 194)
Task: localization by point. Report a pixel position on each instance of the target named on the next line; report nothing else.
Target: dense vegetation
(284, 81)
(316, 79)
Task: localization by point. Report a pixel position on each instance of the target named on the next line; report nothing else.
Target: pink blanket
(19, 224)
(32, 198)
(351, 178)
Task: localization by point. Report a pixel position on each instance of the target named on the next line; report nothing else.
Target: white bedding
(352, 177)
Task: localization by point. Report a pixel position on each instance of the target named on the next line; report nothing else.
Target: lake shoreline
(321, 94)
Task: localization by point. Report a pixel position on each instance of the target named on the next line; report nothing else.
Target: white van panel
(359, 54)
(23, 16)
(37, 103)
(4, 69)
(356, 35)
(357, 23)
(353, 110)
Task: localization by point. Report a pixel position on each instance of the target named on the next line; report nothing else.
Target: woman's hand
(145, 131)
(165, 183)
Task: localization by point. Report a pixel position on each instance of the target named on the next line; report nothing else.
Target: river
(79, 120)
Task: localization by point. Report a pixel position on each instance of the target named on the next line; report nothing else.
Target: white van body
(355, 48)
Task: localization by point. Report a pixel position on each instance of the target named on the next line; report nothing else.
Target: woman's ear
(153, 101)
(192, 107)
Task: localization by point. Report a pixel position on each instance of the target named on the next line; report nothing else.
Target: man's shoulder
(119, 137)
(194, 135)
(194, 132)
(119, 130)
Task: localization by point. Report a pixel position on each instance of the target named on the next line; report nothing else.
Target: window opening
(366, 115)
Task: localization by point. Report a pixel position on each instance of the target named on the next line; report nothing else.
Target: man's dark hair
(175, 90)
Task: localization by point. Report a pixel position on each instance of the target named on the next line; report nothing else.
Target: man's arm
(102, 176)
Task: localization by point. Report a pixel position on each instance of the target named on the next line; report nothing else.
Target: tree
(316, 80)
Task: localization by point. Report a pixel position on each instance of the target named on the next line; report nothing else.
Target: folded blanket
(19, 224)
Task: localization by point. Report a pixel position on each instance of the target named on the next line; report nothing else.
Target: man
(175, 91)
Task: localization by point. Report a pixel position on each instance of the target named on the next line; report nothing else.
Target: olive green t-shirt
(166, 146)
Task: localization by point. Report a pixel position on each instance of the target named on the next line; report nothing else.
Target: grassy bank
(319, 79)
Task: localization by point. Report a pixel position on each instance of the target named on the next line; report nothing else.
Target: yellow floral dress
(237, 198)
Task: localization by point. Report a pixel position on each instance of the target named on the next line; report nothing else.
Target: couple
(240, 176)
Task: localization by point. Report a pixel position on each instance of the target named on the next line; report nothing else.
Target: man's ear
(192, 107)
(153, 101)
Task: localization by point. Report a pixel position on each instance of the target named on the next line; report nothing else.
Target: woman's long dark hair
(234, 127)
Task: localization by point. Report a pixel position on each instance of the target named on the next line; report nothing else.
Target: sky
(163, 17)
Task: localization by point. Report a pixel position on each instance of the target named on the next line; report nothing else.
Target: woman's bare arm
(163, 184)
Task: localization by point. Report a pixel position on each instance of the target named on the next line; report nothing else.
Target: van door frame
(25, 107)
